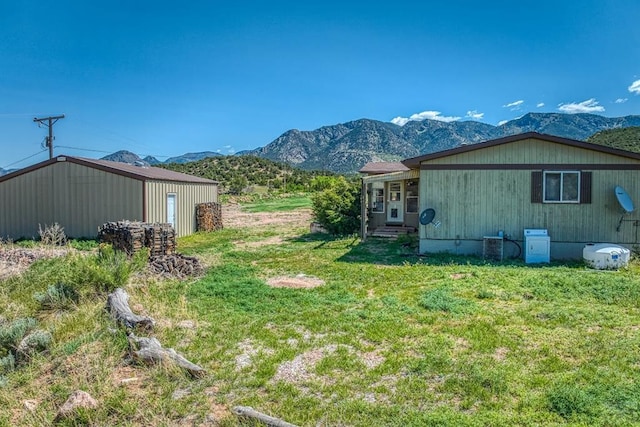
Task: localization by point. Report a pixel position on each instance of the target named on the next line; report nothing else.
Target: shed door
(171, 209)
(395, 205)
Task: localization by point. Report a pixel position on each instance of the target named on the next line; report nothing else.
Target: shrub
(11, 334)
(52, 235)
(60, 296)
(337, 207)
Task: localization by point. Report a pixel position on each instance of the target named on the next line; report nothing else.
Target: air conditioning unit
(493, 248)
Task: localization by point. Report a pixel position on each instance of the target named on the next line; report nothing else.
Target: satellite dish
(624, 199)
(427, 216)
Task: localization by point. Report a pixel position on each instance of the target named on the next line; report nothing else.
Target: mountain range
(346, 147)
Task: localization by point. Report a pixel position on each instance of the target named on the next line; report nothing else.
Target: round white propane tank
(604, 256)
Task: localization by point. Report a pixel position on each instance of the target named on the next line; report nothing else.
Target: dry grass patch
(14, 261)
(301, 281)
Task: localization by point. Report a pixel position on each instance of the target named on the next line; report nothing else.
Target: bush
(52, 235)
(60, 296)
(337, 207)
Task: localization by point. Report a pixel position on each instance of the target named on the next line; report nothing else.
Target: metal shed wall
(77, 197)
(188, 195)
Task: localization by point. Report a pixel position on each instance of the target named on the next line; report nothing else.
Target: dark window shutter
(585, 187)
(536, 187)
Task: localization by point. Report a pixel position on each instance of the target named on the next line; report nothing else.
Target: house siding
(188, 195)
(77, 197)
(472, 203)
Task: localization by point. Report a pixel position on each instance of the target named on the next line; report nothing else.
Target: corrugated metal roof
(372, 168)
(393, 176)
(142, 173)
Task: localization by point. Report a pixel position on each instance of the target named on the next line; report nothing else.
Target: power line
(26, 158)
(51, 120)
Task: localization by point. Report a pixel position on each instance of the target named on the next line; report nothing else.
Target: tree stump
(118, 307)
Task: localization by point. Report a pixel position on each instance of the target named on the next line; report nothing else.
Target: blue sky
(164, 78)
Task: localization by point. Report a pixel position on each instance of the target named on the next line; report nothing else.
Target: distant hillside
(238, 172)
(124, 156)
(625, 138)
(192, 157)
(346, 147)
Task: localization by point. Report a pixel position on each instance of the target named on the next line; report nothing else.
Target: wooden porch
(392, 231)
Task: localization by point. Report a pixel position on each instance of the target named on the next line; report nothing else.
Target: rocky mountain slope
(346, 147)
(624, 138)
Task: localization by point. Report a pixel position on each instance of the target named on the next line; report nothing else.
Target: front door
(171, 210)
(395, 204)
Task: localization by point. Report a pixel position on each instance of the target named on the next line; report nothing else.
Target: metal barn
(81, 194)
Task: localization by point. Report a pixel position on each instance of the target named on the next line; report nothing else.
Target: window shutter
(585, 187)
(536, 187)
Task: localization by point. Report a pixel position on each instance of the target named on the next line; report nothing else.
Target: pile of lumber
(176, 265)
(131, 236)
(209, 216)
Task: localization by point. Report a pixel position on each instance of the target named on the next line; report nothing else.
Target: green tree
(337, 207)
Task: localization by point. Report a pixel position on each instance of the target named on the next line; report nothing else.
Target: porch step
(392, 231)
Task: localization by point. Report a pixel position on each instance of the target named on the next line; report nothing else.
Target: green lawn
(391, 339)
(279, 205)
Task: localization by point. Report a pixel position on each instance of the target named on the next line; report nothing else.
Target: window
(377, 198)
(561, 187)
(412, 197)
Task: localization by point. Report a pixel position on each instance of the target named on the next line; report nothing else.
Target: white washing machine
(537, 246)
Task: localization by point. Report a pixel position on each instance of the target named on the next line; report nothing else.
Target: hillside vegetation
(236, 173)
(623, 138)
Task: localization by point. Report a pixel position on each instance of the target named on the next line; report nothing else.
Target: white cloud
(473, 114)
(400, 121)
(621, 100)
(515, 105)
(635, 87)
(540, 104)
(418, 117)
(501, 122)
(588, 106)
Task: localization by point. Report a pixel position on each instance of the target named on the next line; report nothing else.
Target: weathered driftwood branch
(249, 412)
(150, 351)
(118, 307)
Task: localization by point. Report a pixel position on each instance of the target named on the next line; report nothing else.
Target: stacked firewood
(209, 216)
(176, 265)
(131, 236)
(160, 239)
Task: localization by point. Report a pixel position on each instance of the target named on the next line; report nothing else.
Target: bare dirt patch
(234, 217)
(14, 261)
(300, 281)
(275, 240)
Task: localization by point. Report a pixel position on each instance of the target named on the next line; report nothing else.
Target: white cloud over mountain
(540, 104)
(635, 87)
(474, 114)
(588, 106)
(418, 117)
(515, 105)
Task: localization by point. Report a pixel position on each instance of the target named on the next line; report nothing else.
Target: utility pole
(50, 122)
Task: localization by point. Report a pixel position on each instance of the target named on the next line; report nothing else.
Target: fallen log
(118, 307)
(249, 412)
(151, 352)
